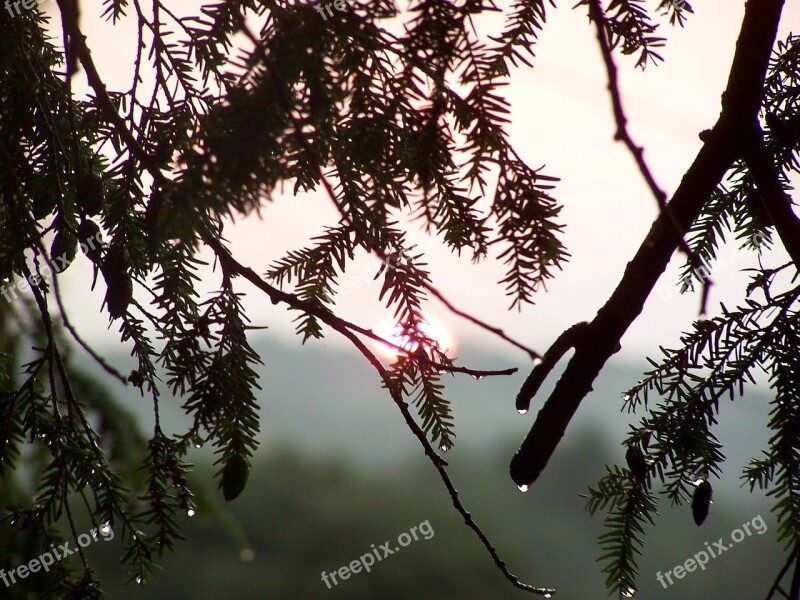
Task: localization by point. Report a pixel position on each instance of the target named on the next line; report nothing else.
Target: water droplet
(537, 361)
(104, 529)
(191, 512)
(626, 397)
(139, 579)
(444, 447)
(198, 444)
(478, 377)
(547, 595)
(629, 592)
(522, 411)
(247, 555)
(523, 487)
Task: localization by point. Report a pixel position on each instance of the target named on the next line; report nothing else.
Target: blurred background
(338, 472)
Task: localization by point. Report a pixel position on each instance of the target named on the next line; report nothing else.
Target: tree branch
(596, 14)
(776, 202)
(740, 105)
(232, 267)
(567, 340)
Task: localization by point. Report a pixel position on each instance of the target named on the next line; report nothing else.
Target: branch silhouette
(724, 143)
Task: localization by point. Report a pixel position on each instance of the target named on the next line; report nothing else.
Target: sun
(432, 327)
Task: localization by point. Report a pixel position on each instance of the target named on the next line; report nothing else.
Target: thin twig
(622, 134)
(440, 467)
(776, 584)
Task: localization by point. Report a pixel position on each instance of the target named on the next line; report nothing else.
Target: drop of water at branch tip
(478, 377)
(547, 595)
(522, 411)
(191, 512)
(629, 592)
(536, 362)
(523, 487)
(139, 579)
(444, 447)
(247, 555)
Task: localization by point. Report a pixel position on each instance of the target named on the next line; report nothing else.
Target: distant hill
(338, 471)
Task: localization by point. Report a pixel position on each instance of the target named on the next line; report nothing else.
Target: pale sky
(561, 118)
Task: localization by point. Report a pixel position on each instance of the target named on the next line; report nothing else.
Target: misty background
(338, 471)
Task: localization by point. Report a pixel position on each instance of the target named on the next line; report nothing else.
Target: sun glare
(433, 328)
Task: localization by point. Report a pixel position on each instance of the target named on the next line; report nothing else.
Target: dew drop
(191, 512)
(537, 361)
(547, 595)
(139, 579)
(478, 377)
(523, 487)
(629, 592)
(104, 529)
(247, 555)
(444, 447)
(522, 411)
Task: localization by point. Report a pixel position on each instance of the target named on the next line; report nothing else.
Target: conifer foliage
(397, 114)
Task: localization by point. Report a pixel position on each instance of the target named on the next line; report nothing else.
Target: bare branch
(723, 144)
(596, 14)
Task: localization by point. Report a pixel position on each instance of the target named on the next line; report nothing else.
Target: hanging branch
(232, 267)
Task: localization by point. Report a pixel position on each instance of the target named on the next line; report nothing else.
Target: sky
(561, 118)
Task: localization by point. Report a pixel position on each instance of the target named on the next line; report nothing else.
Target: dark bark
(726, 142)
